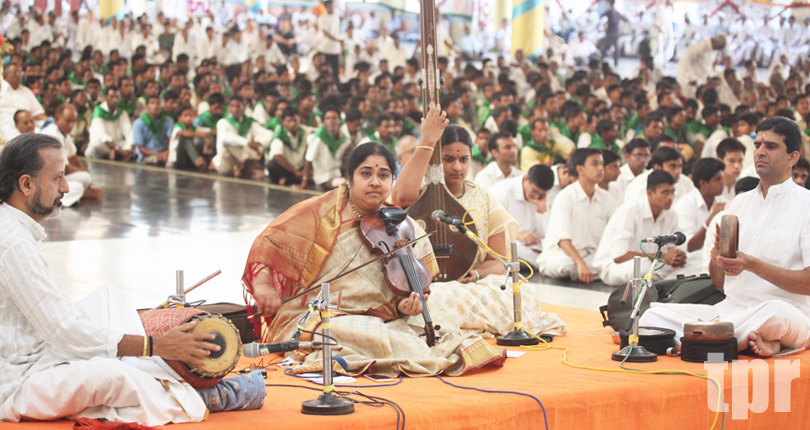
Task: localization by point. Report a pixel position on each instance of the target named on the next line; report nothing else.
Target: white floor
(145, 268)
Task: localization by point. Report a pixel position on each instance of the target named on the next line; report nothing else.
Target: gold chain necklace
(354, 208)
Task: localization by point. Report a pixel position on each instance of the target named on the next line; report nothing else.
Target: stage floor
(153, 221)
(571, 398)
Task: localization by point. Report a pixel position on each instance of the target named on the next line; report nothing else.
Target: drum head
(221, 362)
(729, 234)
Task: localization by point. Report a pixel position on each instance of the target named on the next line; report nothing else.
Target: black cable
(325, 336)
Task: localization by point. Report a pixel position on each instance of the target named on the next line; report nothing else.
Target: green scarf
(154, 125)
(182, 126)
(598, 143)
(128, 107)
(677, 135)
(74, 79)
(329, 140)
(242, 127)
(525, 132)
(478, 156)
(807, 131)
(566, 131)
(696, 127)
(208, 120)
(272, 123)
(281, 133)
(634, 122)
(100, 112)
(543, 149)
(483, 112)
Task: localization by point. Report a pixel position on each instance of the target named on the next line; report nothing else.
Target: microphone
(676, 238)
(255, 349)
(440, 216)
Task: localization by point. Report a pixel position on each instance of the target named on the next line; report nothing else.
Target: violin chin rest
(393, 213)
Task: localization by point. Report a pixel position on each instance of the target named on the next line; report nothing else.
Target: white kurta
(325, 165)
(581, 220)
(11, 101)
(509, 193)
(58, 358)
(631, 223)
(295, 156)
(78, 181)
(637, 188)
(492, 174)
(233, 149)
(776, 230)
(101, 131)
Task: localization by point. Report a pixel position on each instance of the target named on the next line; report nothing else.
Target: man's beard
(37, 208)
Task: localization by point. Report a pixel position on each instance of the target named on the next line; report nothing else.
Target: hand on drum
(412, 305)
(734, 266)
(179, 344)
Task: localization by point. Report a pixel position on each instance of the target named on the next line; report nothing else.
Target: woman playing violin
(476, 300)
(317, 239)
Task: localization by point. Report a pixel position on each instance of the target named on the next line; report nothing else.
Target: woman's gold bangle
(429, 148)
(145, 346)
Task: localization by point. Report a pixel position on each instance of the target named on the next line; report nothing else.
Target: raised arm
(409, 182)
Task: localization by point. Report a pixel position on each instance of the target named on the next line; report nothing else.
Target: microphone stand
(518, 335)
(327, 403)
(634, 352)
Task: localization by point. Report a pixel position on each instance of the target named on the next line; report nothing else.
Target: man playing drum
(767, 284)
(88, 359)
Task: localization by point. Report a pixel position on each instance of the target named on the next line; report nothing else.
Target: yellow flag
(109, 8)
(528, 23)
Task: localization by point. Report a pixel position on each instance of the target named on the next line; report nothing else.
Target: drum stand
(634, 352)
(179, 299)
(327, 403)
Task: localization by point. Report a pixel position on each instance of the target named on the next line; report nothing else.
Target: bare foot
(237, 171)
(762, 347)
(201, 164)
(92, 193)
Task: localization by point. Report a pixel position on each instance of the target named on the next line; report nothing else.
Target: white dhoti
(772, 320)
(133, 389)
(78, 182)
(555, 263)
(229, 157)
(621, 273)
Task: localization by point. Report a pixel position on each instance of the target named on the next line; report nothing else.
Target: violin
(387, 230)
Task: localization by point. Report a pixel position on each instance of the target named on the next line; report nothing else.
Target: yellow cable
(546, 346)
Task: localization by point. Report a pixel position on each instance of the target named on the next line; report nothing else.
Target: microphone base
(517, 338)
(327, 404)
(634, 354)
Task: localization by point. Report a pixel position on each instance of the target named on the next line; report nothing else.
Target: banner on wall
(528, 22)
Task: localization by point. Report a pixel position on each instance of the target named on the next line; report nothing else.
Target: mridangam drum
(219, 363)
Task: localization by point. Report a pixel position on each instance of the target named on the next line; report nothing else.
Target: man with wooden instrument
(767, 284)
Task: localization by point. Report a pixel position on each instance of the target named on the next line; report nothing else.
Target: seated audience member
(287, 153)
(23, 123)
(669, 160)
(91, 358)
(480, 151)
(612, 171)
(151, 133)
(637, 156)
(187, 144)
(241, 143)
(800, 171)
(697, 209)
(539, 149)
(767, 284)
(577, 219)
(15, 96)
(325, 150)
(607, 133)
(742, 130)
(76, 175)
(110, 130)
(637, 220)
(405, 147)
(504, 152)
(525, 198)
(731, 152)
(741, 186)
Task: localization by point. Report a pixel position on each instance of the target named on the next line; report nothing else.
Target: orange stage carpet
(573, 398)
